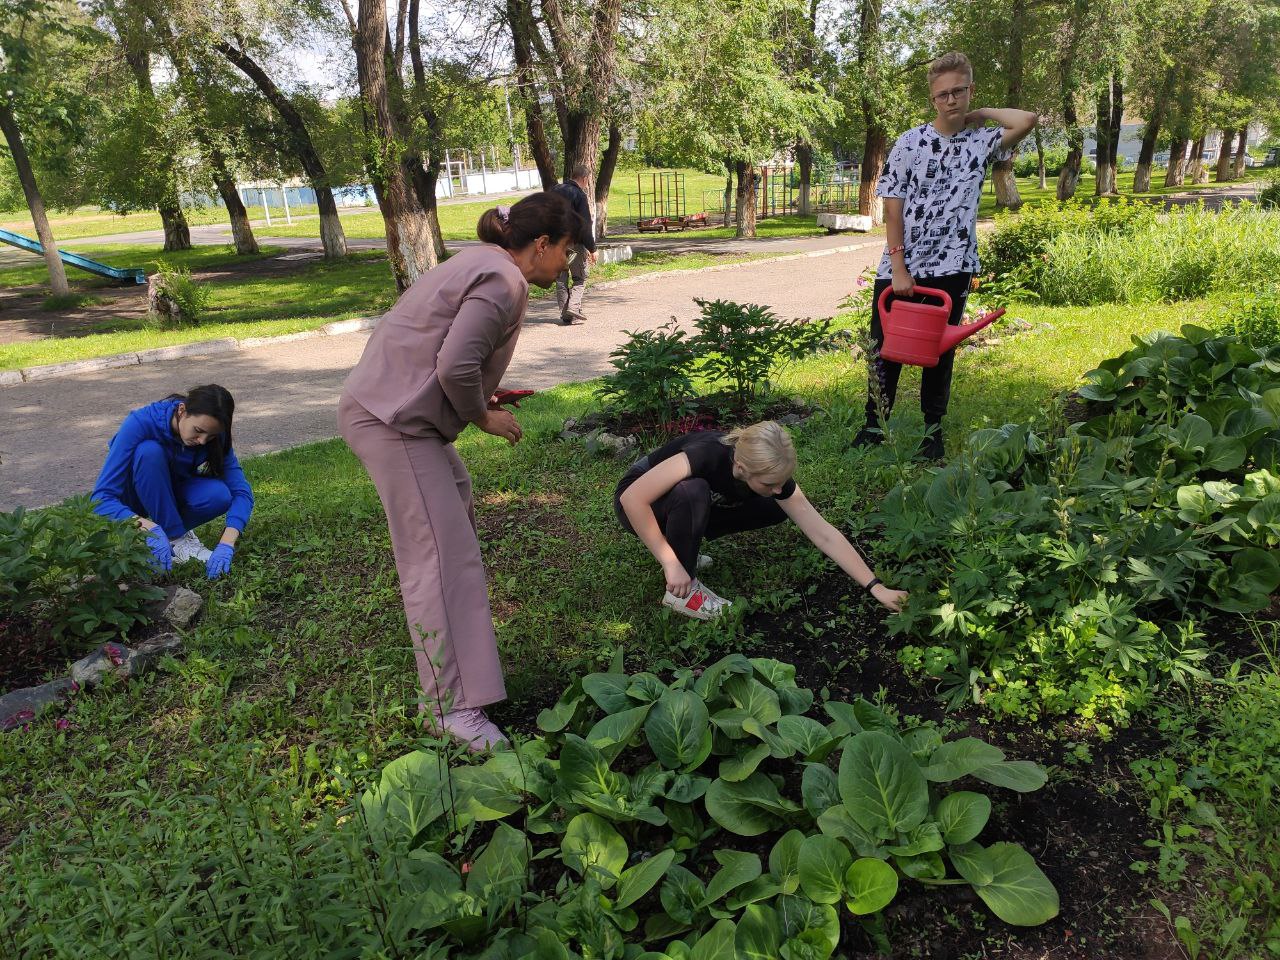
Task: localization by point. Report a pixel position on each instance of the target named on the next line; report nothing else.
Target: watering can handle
(919, 291)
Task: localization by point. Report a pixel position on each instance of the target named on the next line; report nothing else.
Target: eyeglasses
(955, 93)
(570, 255)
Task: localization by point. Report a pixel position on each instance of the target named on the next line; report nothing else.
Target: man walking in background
(570, 297)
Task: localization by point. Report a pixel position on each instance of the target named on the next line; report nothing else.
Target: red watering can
(918, 333)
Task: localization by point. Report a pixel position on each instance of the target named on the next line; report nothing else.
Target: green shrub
(1186, 254)
(1255, 318)
(1269, 198)
(742, 346)
(62, 569)
(180, 299)
(1021, 239)
(654, 374)
(1069, 574)
(738, 347)
(1027, 163)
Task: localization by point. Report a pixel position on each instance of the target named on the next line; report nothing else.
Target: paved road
(53, 433)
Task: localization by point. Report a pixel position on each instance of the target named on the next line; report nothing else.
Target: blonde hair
(952, 62)
(764, 450)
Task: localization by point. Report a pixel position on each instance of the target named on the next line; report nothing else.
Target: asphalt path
(53, 433)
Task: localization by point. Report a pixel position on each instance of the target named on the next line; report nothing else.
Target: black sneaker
(931, 447)
(868, 437)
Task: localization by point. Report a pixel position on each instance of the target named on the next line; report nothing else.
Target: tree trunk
(1151, 134)
(520, 19)
(604, 180)
(426, 170)
(1242, 148)
(1040, 170)
(177, 232)
(728, 191)
(1068, 85)
(1069, 175)
(1226, 150)
(874, 150)
(804, 158)
(1176, 170)
(241, 231)
(582, 146)
(1002, 177)
(1198, 173)
(1117, 121)
(409, 247)
(746, 203)
(331, 233)
(35, 202)
(1105, 173)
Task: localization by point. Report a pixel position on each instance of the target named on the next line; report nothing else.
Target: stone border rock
(177, 609)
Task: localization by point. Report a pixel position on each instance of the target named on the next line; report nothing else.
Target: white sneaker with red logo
(700, 604)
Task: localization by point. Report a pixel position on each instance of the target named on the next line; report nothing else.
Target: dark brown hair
(214, 401)
(539, 214)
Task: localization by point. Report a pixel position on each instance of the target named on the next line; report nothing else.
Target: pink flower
(862, 281)
(19, 719)
(113, 653)
(62, 723)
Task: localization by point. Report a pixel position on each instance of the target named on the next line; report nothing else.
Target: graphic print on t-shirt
(939, 179)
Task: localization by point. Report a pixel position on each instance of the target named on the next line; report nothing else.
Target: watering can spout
(954, 336)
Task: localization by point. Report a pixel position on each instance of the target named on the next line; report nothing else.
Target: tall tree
(409, 244)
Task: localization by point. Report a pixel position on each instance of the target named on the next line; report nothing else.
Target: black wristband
(875, 581)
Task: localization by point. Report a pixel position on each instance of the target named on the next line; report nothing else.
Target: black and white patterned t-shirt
(939, 180)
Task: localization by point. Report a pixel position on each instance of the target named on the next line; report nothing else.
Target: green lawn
(33, 271)
(95, 222)
(298, 684)
(1029, 188)
(273, 305)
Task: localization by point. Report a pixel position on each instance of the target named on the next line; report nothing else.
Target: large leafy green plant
(634, 825)
(653, 374)
(79, 575)
(1068, 574)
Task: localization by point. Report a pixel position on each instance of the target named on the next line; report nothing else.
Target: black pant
(935, 382)
(686, 515)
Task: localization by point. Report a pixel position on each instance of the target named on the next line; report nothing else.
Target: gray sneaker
(472, 728)
(188, 547)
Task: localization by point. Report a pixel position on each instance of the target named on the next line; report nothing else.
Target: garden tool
(918, 333)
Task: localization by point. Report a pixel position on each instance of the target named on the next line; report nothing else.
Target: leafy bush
(738, 347)
(177, 299)
(1070, 574)
(1269, 198)
(1021, 239)
(709, 815)
(1190, 252)
(1255, 318)
(62, 568)
(743, 345)
(654, 377)
(1027, 163)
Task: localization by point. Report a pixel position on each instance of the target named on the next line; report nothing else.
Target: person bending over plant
(711, 484)
(170, 468)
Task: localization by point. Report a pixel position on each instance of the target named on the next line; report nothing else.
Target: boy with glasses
(931, 185)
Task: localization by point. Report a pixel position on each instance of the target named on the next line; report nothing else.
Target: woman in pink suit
(431, 368)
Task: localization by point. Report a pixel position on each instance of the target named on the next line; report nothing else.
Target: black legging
(935, 382)
(686, 515)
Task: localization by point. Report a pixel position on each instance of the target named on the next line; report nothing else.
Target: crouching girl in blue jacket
(171, 468)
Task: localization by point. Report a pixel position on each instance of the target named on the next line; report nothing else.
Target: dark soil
(30, 653)
(1086, 828)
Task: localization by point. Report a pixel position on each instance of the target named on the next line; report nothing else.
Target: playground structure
(662, 207)
(661, 203)
(119, 274)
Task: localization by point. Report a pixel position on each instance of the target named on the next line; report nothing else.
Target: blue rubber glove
(161, 551)
(219, 561)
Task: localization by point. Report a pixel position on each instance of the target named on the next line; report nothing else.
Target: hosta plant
(704, 815)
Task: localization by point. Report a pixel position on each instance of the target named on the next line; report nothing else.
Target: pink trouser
(426, 493)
